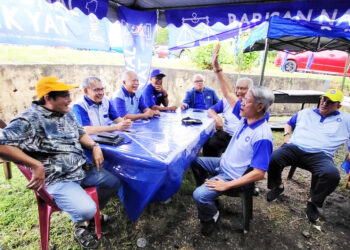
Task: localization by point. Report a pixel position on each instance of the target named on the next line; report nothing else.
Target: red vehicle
(328, 61)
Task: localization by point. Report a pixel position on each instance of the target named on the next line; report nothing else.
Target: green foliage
(201, 57)
(161, 36)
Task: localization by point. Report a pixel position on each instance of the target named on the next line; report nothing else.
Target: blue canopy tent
(299, 35)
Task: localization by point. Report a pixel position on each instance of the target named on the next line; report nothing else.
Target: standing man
(311, 137)
(217, 144)
(94, 111)
(250, 147)
(48, 139)
(128, 102)
(155, 95)
(199, 97)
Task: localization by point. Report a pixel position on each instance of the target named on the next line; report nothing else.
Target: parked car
(163, 52)
(328, 61)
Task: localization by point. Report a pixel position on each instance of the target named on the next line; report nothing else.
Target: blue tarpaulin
(299, 35)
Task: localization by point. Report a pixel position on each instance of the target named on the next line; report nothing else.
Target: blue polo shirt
(152, 97)
(251, 145)
(89, 113)
(230, 120)
(201, 100)
(125, 103)
(313, 133)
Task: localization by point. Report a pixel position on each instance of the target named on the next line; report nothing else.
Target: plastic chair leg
(291, 172)
(347, 180)
(92, 192)
(44, 223)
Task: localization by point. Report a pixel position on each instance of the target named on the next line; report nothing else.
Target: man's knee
(199, 195)
(332, 174)
(85, 211)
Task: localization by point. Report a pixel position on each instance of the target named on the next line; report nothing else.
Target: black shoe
(86, 238)
(274, 193)
(103, 220)
(312, 212)
(207, 227)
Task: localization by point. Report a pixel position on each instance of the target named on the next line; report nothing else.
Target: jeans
(204, 197)
(325, 175)
(72, 198)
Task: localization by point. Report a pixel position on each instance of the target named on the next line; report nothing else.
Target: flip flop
(86, 238)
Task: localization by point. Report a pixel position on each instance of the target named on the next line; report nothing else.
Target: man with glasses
(199, 97)
(48, 139)
(249, 149)
(155, 95)
(94, 112)
(128, 102)
(311, 137)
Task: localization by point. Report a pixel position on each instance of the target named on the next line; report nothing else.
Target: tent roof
(297, 35)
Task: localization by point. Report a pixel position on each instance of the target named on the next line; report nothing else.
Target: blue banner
(193, 27)
(97, 7)
(138, 36)
(37, 22)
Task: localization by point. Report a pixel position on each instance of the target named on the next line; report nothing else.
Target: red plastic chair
(47, 205)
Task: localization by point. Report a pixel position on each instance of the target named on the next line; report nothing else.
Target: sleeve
(293, 121)
(81, 115)
(262, 154)
(18, 133)
(216, 98)
(187, 99)
(119, 106)
(112, 113)
(237, 109)
(218, 107)
(148, 97)
(142, 105)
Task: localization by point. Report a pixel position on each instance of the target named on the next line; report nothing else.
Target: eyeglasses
(158, 77)
(97, 90)
(327, 101)
(63, 94)
(245, 101)
(199, 81)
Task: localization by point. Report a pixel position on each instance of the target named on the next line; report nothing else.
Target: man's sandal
(85, 237)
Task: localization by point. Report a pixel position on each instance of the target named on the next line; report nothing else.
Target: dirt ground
(281, 224)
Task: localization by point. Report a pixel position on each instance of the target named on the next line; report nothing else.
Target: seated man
(250, 147)
(94, 111)
(48, 139)
(199, 97)
(154, 94)
(128, 102)
(217, 144)
(311, 138)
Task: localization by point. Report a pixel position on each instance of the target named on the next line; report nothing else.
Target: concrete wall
(18, 83)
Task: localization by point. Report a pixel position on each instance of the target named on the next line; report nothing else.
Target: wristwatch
(286, 133)
(94, 145)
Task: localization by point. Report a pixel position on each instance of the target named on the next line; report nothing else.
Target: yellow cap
(335, 95)
(47, 84)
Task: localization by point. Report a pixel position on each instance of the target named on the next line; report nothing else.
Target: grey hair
(89, 80)
(200, 75)
(125, 74)
(245, 79)
(263, 95)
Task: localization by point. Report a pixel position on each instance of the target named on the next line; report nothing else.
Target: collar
(46, 112)
(127, 93)
(256, 123)
(317, 111)
(90, 102)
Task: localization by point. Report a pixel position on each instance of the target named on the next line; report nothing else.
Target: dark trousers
(217, 144)
(325, 175)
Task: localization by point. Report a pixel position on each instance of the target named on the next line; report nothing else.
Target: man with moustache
(250, 147)
(94, 112)
(311, 138)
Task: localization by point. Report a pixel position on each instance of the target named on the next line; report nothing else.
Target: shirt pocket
(330, 128)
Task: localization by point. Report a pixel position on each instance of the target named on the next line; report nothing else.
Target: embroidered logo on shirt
(339, 119)
(247, 139)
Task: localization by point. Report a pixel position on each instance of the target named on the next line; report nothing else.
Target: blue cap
(157, 72)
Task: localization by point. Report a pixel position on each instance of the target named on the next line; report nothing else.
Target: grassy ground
(19, 219)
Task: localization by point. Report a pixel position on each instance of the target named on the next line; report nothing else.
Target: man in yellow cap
(48, 139)
(311, 138)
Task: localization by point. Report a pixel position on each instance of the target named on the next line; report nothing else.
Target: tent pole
(345, 71)
(264, 62)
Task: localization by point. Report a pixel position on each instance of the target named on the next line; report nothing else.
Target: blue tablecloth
(155, 156)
